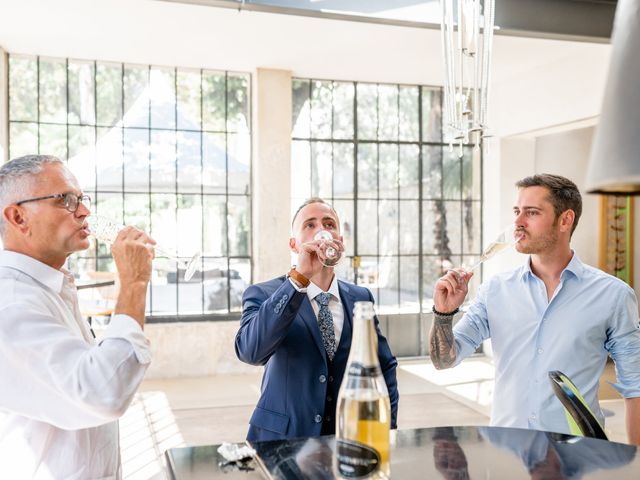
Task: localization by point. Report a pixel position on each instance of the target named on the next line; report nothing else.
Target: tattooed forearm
(442, 346)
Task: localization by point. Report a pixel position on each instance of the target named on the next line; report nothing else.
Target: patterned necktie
(325, 322)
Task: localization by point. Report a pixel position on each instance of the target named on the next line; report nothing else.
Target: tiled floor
(210, 410)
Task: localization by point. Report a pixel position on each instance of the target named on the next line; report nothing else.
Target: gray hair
(17, 177)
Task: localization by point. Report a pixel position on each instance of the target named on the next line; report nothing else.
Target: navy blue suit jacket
(279, 329)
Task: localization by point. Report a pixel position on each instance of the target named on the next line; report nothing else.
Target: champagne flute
(106, 230)
(505, 239)
(333, 256)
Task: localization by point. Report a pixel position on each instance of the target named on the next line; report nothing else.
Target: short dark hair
(309, 201)
(563, 193)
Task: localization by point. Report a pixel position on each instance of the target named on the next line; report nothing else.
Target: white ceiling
(162, 33)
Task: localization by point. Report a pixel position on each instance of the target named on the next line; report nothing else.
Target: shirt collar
(313, 290)
(575, 267)
(48, 276)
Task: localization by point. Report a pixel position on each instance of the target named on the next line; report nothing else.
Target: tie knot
(323, 299)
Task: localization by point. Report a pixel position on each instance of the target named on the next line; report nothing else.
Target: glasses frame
(67, 202)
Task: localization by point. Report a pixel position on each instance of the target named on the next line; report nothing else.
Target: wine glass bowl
(332, 255)
(506, 239)
(106, 230)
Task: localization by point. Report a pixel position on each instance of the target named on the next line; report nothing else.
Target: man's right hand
(310, 257)
(133, 252)
(451, 290)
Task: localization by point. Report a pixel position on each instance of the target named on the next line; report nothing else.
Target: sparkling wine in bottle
(364, 412)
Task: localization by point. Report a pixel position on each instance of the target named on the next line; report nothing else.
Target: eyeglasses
(70, 200)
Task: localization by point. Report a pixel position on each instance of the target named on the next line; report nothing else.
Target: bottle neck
(364, 345)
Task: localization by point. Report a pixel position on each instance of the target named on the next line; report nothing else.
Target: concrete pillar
(271, 173)
(4, 106)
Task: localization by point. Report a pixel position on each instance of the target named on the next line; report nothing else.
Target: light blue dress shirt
(590, 315)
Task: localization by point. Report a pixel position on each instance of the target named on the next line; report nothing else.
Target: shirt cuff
(126, 328)
(299, 289)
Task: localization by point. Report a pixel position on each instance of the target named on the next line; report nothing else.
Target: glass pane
(82, 152)
(189, 166)
(431, 114)
(240, 279)
(409, 283)
(388, 230)
(136, 211)
(388, 165)
(163, 160)
(471, 175)
(189, 225)
(431, 272)
(163, 221)
(388, 112)
(213, 101)
(188, 100)
(53, 140)
(53, 90)
(239, 161)
(215, 228)
(214, 161)
(453, 238)
(239, 226)
(190, 295)
(431, 227)
(388, 284)
(451, 175)
(368, 275)
(321, 169)
(216, 286)
(109, 159)
(321, 109)
(367, 170)
(300, 169)
(408, 123)
(23, 88)
(301, 118)
(164, 291)
(409, 162)
(471, 227)
(163, 97)
(109, 93)
(431, 171)
(23, 138)
(344, 209)
(367, 111)
(109, 205)
(136, 96)
(136, 160)
(343, 94)
(238, 98)
(409, 222)
(343, 170)
(367, 225)
(81, 93)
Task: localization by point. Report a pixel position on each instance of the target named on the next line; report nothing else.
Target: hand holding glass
(106, 230)
(506, 239)
(332, 255)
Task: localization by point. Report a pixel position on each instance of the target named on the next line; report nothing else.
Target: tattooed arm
(442, 345)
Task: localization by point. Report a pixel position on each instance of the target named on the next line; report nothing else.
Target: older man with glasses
(61, 390)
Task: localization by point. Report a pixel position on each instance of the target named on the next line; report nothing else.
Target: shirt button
(318, 418)
(533, 416)
(322, 378)
(540, 351)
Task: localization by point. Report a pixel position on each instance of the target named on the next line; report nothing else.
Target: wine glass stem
(161, 253)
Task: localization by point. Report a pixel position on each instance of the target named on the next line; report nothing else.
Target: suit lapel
(309, 318)
(348, 301)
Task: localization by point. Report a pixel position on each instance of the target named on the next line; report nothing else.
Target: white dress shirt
(61, 392)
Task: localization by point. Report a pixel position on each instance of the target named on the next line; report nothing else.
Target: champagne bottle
(364, 412)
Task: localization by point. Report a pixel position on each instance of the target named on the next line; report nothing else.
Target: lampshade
(614, 166)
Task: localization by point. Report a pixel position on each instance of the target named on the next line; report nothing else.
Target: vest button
(318, 418)
(329, 399)
(322, 378)
(330, 378)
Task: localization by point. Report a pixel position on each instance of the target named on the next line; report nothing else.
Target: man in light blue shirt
(553, 313)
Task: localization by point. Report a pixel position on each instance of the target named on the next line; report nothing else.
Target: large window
(409, 205)
(165, 149)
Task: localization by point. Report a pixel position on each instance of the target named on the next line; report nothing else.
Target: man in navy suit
(286, 327)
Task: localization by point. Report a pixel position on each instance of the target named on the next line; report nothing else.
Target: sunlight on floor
(146, 431)
(472, 379)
